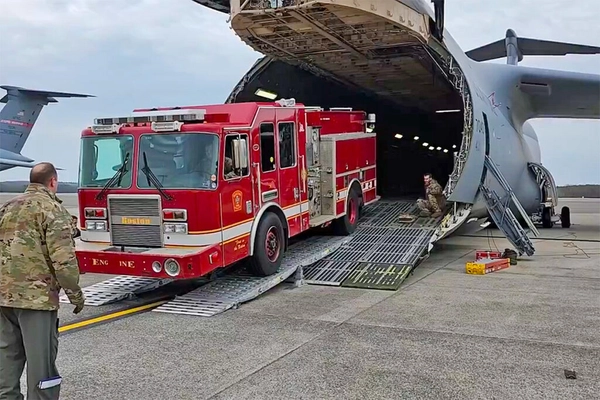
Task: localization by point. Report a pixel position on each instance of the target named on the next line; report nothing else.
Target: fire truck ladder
(499, 209)
(119, 288)
(239, 287)
(382, 250)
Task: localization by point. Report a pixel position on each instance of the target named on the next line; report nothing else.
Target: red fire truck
(179, 192)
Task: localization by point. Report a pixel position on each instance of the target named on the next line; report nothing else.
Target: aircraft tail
(22, 109)
(514, 48)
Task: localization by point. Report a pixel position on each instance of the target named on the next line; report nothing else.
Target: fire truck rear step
(230, 291)
(119, 288)
(381, 252)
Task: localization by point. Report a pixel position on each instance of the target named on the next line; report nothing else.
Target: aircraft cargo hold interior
(410, 141)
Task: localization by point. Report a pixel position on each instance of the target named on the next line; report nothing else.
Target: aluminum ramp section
(381, 252)
(116, 289)
(231, 290)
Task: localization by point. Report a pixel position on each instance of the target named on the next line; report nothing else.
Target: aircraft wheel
(547, 218)
(565, 217)
(269, 246)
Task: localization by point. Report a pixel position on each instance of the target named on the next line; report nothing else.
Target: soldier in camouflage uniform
(76, 231)
(432, 207)
(37, 258)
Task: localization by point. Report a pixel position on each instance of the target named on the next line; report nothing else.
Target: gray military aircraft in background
(439, 109)
(22, 109)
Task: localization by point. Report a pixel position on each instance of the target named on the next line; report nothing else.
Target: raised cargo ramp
(239, 287)
(381, 252)
(119, 288)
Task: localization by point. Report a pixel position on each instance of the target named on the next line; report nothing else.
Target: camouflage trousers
(28, 336)
(430, 205)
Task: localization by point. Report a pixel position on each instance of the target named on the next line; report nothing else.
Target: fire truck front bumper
(166, 262)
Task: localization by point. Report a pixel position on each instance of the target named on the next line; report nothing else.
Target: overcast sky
(146, 53)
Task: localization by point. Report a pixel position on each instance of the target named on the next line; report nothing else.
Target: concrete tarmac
(445, 334)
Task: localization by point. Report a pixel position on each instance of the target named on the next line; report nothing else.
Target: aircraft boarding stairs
(499, 209)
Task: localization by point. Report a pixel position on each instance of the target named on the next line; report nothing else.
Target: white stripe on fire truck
(366, 186)
(354, 171)
(203, 239)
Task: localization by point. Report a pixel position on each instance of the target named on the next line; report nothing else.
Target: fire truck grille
(135, 222)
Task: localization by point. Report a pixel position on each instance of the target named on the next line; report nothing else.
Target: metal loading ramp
(380, 253)
(116, 289)
(239, 287)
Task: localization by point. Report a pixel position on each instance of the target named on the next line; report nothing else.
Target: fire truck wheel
(347, 224)
(268, 246)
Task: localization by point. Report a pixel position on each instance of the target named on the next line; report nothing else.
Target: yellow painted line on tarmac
(108, 317)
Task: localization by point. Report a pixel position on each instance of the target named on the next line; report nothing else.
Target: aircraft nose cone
(510, 33)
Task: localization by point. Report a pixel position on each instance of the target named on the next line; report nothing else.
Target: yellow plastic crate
(485, 266)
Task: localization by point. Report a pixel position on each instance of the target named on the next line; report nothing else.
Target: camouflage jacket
(37, 251)
(436, 190)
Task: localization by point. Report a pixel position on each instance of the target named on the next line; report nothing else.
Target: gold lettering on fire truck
(135, 221)
(236, 198)
(239, 244)
(96, 261)
(127, 264)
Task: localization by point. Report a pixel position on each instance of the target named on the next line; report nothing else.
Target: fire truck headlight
(172, 267)
(156, 267)
(175, 228)
(95, 225)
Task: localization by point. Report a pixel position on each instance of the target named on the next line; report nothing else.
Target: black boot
(511, 255)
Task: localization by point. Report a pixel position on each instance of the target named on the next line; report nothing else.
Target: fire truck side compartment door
(288, 164)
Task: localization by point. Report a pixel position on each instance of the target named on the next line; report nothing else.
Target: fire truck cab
(179, 192)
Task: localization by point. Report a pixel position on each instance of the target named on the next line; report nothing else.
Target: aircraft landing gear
(565, 217)
(547, 218)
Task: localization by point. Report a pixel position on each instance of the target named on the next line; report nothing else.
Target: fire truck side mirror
(240, 153)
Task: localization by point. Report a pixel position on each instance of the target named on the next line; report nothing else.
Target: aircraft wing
(560, 94)
(15, 163)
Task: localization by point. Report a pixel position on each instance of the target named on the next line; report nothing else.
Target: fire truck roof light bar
(155, 116)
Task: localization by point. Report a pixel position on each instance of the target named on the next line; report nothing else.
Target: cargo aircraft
(22, 109)
(439, 109)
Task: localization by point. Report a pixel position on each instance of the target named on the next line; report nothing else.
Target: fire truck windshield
(101, 157)
(180, 160)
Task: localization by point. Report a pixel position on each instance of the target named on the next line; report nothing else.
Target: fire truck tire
(347, 224)
(269, 246)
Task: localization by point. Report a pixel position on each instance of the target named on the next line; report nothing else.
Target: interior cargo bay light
(265, 94)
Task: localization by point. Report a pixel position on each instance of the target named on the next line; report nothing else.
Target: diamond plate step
(116, 289)
(230, 291)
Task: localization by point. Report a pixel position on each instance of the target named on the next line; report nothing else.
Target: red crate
(481, 254)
